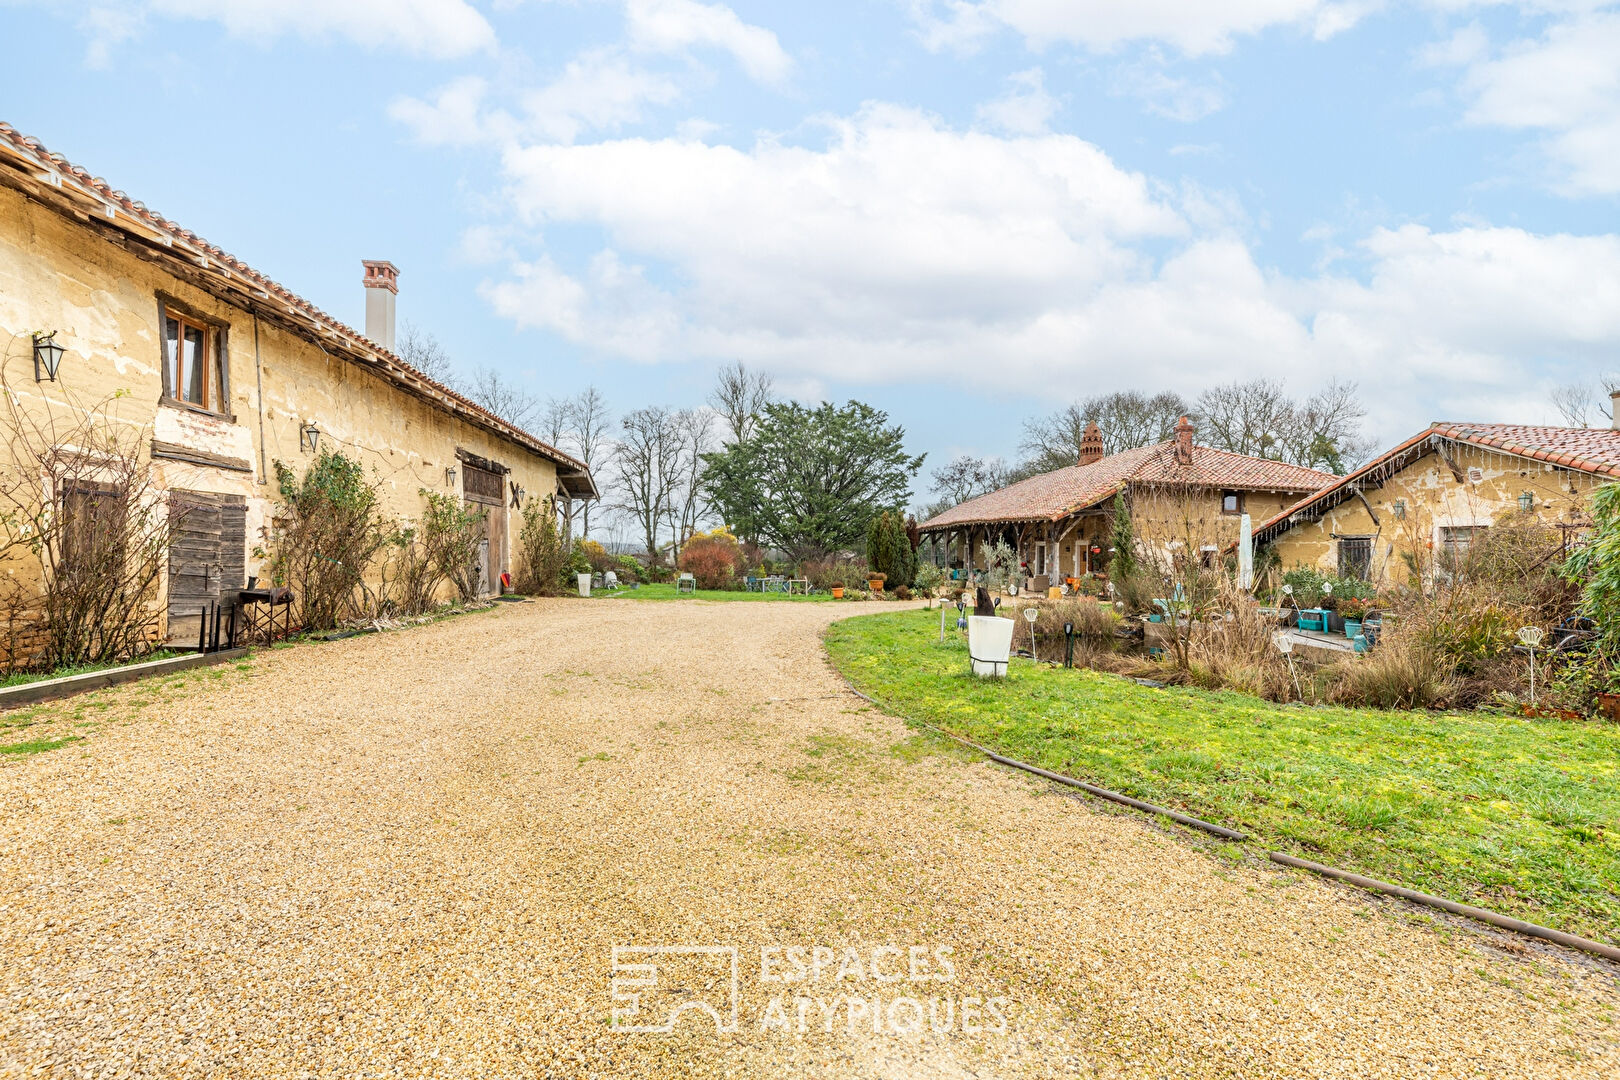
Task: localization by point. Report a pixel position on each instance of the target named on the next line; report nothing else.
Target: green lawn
(21, 678)
(666, 591)
(1517, 815)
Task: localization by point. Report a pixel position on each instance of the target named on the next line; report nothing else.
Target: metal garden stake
(1285, 645)
(1530, 637)
(1030, 615)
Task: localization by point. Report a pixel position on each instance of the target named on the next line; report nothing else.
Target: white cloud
(1193, 27)
(1026, 108)
(437, 28)
(455, 117)
(674, 25)
(1565, 83)
(1166, 95)
(596, 91)
(904, 250)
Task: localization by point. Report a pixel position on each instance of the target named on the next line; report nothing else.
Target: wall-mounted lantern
(1399, 509)
(1527, 501)
(450, 476)
(309, 437)
(47, 356)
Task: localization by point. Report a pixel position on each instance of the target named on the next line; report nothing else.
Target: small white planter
(584, 584)
(990, 644)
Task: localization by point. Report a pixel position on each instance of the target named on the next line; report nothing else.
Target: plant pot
(1608, 705)
(1335, 623)
(874, 585)
(584, 584)
(838, 592)
(990, 644)
(1352, 627)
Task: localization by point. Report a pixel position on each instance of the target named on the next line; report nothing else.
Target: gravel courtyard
(414, 853)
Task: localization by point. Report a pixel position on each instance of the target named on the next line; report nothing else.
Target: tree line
(1257, 418)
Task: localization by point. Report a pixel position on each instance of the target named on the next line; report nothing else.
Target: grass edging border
(1484, 915)
(50, 689)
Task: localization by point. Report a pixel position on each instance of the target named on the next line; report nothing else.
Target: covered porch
(1051, 552)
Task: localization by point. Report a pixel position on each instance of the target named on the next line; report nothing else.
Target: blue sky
(965, 211)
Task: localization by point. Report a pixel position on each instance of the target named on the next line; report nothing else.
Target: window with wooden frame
(1355, 557)
(1231, 502)
(193, 363)
(91, 530)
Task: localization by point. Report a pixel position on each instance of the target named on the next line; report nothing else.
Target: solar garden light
(1285, 645)
(961, 612)
(1530, 637)
(1030, 615)
(1068, 650)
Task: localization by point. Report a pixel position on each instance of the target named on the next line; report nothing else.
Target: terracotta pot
(875, 585)
(838, 592)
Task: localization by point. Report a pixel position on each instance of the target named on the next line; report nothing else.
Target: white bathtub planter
(584, 584)
(990, 644)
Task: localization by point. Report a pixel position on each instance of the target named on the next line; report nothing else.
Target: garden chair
(685, 583)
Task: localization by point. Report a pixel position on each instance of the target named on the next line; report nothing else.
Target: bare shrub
(714, 560)
(1403, 672)
(329, 529)
(80, 509)
(451, 532)
(542, 550)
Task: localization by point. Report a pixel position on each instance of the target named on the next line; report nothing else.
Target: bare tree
(1126, 418)
(423, 352)
(1259, 419)
(1582, 404)
(1324, 431)
(689, 503)
(495, 392)
(645, 471)
(965, 478)
(555, 419)
(739, 397)
(1245, 417)
(589, 423)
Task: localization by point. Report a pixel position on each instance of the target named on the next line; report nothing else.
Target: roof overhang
(53, 182)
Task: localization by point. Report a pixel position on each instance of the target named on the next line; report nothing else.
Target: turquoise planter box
(1313, 619)
(1352, 628)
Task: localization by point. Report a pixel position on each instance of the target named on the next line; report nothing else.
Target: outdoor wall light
(47, 356)
(450, 476)
(309, 437)
(1527, 501)
(1399, 509)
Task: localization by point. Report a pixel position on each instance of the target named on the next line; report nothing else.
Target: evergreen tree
(1122, 563)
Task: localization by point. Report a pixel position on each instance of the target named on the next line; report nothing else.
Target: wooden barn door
(486, 490)
(207, 557)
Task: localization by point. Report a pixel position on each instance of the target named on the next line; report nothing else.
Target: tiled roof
(52, 179)
(1592, 450)
(1054, 495)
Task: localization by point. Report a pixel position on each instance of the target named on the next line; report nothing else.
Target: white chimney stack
(382, 288)
(1614, 409)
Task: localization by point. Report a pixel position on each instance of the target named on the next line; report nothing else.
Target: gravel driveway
(414, 853)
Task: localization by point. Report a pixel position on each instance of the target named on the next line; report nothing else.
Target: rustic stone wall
(103, 301)
(1432, 499)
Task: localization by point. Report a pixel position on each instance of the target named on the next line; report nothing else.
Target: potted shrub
(836, 587)
(1353, 609)
(875, 580)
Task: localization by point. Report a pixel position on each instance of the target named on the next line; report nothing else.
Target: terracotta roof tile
(1591, 450)
(1057, 494)
(366, 349)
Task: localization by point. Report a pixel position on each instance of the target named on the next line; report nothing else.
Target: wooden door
(486, 490)
(207, 557)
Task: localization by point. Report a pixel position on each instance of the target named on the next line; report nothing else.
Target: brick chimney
(1184, 443)
(382, 286)
(1091, 444)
